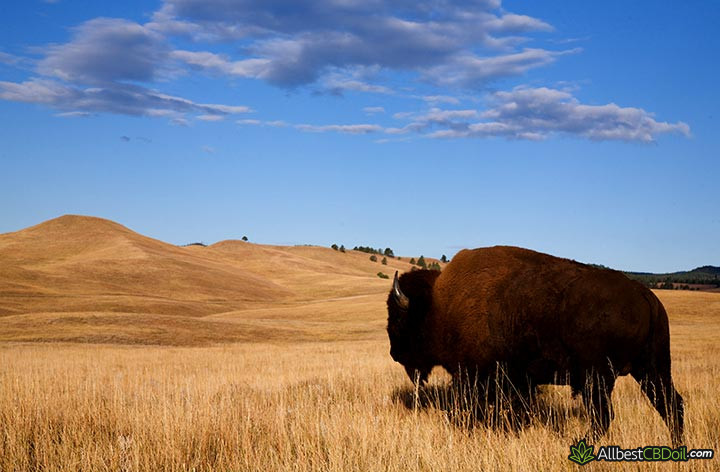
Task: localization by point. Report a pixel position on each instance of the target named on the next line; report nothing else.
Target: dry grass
(119, 352)
(336, 405)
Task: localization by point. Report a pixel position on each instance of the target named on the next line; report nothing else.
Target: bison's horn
(400, 297)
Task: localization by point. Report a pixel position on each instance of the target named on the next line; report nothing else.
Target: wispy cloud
(433, 118)
(210, 117)
(437, 99)
(220, 64)
(471, 71)
(9, 59)
(568, 40)
(107, 50)
(523, 113)
(142, 139)
(538, 113)
(74, 114)
(347, 129)
(373, 110)
(122, 99)
(361, 128)
(101, 69)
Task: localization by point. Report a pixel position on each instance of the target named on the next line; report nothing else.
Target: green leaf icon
(582, 453)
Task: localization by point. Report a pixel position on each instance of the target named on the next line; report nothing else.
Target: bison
(546, 320)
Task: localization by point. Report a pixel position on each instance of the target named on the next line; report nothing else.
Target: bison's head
(409, 304)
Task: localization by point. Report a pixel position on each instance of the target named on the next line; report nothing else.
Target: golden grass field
(119, 352)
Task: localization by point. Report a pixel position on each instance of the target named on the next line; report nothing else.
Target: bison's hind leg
(597, 398)
(666, 400)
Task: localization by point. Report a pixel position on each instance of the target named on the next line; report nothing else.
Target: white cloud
(11, 59)
(373, 110)
(247, 68)
(74, 114)
(99, 71)
(117, 98)
(210, 117)
(363, 128)
(538, 113)
(510, 22)
(437, 115)
(249, 122)
(225, 109)
(338, 85)
(107, 50)
(435, 99)
(471, 71)
(346, 129)
(433, 118)
(522, 113)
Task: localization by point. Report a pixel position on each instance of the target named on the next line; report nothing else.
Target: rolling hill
(701, 278)
(79, 278)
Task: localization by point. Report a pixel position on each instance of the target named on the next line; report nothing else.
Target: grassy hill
(79, 278)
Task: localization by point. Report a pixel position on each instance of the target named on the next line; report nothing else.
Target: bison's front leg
(597, 397)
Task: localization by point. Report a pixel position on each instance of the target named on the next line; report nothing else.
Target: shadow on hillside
(498, 409)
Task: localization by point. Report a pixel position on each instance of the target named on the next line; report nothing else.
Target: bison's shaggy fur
(545, 320)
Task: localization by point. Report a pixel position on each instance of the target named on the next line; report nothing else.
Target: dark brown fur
(546, 320)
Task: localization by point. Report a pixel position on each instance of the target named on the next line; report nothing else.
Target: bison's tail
(653, 371)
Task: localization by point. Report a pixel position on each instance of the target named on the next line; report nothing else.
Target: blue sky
(583, 129)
